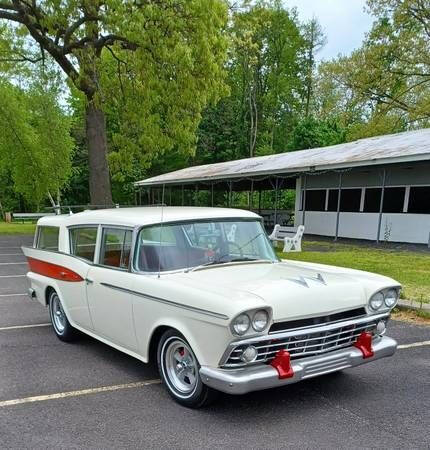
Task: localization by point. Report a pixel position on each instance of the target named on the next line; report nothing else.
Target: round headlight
(241, 324)
(260, 319)
(391, 298)
(376, 301)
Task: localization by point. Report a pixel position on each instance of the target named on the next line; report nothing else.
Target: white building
(376, 188)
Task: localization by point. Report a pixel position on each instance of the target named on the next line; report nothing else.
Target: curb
(414, 305)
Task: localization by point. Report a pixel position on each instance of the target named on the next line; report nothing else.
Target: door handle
(89, 280)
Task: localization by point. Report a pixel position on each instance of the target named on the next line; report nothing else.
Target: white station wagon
(202, 292)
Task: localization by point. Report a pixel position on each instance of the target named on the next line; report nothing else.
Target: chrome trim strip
(300, 332)
(168, 302)
(264, 376)
(316, 329)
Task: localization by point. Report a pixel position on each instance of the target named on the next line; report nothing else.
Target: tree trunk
(100, 188)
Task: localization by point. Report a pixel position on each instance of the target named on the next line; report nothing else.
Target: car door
(111, 307)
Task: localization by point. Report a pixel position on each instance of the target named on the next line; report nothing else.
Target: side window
(83, 242)
(47, 238)
(116, 247)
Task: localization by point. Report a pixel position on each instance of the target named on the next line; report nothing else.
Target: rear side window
(47, 238)
(83, 242)
(116, 246)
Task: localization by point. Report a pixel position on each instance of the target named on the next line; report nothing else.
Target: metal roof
(393, 148)
(144, 215)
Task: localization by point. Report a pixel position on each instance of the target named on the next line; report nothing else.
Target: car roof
(144, 216)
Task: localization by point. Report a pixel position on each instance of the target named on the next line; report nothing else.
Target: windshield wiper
(209, 263)
(244, 259)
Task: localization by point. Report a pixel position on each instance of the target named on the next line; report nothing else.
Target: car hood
(291, 289)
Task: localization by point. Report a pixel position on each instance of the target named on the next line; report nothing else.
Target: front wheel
(179, 370)
(60, 323)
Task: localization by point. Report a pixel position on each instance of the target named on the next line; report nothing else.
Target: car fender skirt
(51, 270)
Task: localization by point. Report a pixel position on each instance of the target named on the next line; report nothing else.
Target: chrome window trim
(37, 236)
(102, 229)
(93, 225)
(167, 302)
(139, 228)
(60, 253)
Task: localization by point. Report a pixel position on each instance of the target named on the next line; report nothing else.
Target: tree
(390, 74)
(263, 77)
(311, 133)
(314, 42)
(35, 142)
(159, 63)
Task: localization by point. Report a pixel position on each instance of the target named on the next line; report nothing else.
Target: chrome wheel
(180, 366)
(57, 314)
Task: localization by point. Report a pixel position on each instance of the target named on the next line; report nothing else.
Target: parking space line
(11, 254)
(12, 295)
(415, 344)
(41, 398)
(18, 327)
(12, 276)
(12, 263)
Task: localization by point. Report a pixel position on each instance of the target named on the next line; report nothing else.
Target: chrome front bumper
(255, 378)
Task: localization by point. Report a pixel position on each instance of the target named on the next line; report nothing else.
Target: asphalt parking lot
(88, 395)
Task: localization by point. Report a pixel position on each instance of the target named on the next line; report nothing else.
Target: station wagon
(202, 293)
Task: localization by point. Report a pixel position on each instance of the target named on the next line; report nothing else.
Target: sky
(343, 21)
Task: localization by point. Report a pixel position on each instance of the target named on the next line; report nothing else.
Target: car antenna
(161, 231)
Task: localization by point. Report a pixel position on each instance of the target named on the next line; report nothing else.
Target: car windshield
(192, 244)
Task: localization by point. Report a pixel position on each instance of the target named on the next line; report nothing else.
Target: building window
(315, 200)
(372, 200)
(350, 200)
(116, 246)
(333, 195)
(47, 238)
(394, 198)
(419, 200)
(83, 242)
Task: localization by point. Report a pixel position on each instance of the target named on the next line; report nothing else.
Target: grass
(16, 228)
(411, 269)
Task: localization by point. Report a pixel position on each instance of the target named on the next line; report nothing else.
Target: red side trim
(52, 270)
(364, 343)
(282, 364)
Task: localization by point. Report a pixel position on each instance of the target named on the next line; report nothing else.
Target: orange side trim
(53, 270)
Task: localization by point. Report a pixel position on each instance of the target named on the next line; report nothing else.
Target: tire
(60, 323)
(179, 371)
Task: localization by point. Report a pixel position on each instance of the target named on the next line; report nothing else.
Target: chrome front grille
(303, 342)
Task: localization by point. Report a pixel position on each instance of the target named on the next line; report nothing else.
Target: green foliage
(265, 87)
(311, 133)
(386, 83)
(150, 67)
(35, 145)
(154, 96)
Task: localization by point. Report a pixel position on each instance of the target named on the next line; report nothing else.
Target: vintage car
(202, 292)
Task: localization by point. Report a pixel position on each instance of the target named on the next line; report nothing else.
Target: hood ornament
(302, 280)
